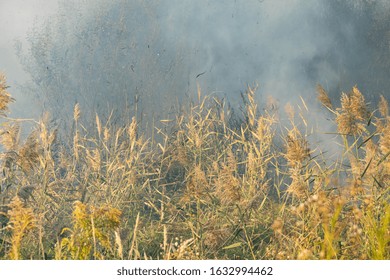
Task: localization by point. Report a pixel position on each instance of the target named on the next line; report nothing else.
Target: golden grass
(323, 97)
(213, 187)
(5, 97)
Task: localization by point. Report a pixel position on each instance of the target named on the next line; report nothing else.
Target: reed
(210, 185)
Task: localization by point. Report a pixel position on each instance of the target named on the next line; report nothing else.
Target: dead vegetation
(212, 188)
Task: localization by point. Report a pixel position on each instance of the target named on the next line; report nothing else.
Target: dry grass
(5, 97)
(323, 97)
(213, 187)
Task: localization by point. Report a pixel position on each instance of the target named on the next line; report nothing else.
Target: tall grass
(214, 186)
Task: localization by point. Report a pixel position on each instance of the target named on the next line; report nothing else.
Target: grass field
(216, 185)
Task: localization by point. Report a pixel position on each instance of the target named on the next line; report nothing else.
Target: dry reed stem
(323, 97)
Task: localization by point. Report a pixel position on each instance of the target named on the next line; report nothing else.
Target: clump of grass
(21, 221)
(209, 185)
(93, 236)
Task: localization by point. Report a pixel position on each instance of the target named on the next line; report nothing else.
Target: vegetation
(213, 186)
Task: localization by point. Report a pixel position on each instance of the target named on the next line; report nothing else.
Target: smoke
(16, 18)
(149, 56)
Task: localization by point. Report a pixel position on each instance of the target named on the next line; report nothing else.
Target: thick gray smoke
(147, 57)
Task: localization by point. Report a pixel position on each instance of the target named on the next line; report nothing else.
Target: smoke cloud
(113, 54)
